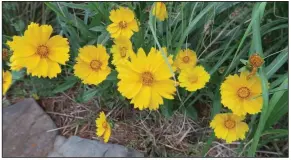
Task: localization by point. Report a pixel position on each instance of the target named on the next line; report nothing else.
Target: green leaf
(69, 83)
(87, 95)
(17, 75)
(75, 6)
(112, 76)
(280, 109)
(19, 26)
(103, 38)
(167, 108)
(98, 29)
(276, 131)
(208, 144)
(277, 63)
(256, 40)
(190, 112)
(193, 23)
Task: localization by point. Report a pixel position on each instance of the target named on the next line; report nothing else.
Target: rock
(79, 147)
(54, 154)
(25, 127)
(120, 151)
(60, 140)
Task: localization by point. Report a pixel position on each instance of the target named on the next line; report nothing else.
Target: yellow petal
(29, 62)
(107, 133)
(165, 88)
(142, 99)
(133, 26)
(82, 69)
(7, 81)
(58, 49)
(41, 70)
(53, 69)
(46, 31)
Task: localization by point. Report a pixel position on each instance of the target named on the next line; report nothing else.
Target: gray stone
(120, 151)
(79, 147)
(60, 140)
(54, 154)
(25, 127)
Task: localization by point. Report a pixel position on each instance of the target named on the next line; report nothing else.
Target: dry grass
(148, 132)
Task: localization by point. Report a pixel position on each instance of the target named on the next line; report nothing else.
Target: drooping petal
(53, 69)
(107, 133)
(142, 99)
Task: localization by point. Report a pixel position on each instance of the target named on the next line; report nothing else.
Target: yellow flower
(39, 53)
(35, 96)
(92, 64)
(7, 81)
(185, 59)
(124, 23)
(256, 60)
(103, 128)
(146, 80)
(229, 127)
(15, 67)
(13, 46)
(121, 51)
(193, 78)
(160, 11)
(241, 95)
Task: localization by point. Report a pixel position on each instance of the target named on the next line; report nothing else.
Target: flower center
(122, 24)
(95, 65)
(123, 51)
(43, 51)
(256, 60)
(193, 79)
(147, 78)
(243, 92)
(229, 124)
(186, 59)
(104, 125)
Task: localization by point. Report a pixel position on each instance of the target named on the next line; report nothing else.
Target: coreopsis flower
(160, 11)
(229, 127)
(38, 52)
(242, 95)
(255, 61)
(185, 59)
(103, 128)
(146, 80)
(123, 23)
(45, 53)
(121, 50)
(6, 81)
(92, 64)
(13, 46)
(193, 78)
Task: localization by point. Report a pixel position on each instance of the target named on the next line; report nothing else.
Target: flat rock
(25, 127)
(80, 147)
